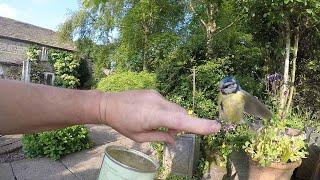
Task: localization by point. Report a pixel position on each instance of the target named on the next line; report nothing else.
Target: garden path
(81, 165)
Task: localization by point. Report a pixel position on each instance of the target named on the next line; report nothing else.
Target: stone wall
(12, 54)
(12, 51)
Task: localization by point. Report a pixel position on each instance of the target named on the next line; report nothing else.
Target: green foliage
(55, 144)
(37, 69)
(169, 39)
(296, 121)
(99, 55)
(33, 53)
(121, 81)
(139, 22)
(272, 145)
(308, 74)
(218, 147)
(66, 68)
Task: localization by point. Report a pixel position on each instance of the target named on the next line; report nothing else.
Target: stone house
(15, 39)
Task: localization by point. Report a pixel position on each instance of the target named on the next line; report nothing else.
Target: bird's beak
(227, 84)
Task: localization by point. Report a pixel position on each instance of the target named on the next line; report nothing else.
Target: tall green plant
(66, 66)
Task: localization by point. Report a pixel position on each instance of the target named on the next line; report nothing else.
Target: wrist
(91, 106)
(105, 107)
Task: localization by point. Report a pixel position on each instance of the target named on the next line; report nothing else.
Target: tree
(207, 11)
(136, 23)
(288, 19)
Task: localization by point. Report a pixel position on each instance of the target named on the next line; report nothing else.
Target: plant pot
(238, 165)
(311, 164)
(276, 171)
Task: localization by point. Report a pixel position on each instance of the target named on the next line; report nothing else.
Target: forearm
(26, 108)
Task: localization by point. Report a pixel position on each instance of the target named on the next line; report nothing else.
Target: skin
(28, 108)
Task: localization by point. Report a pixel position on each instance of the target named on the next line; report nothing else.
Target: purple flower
(274, 77)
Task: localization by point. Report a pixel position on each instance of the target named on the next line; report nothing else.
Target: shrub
(127, 80)
(55, 144)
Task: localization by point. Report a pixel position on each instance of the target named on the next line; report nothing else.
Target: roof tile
(18, 30)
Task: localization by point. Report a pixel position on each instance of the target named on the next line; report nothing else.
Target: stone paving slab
(102, 134)
(15, 145)
(85, 164)
(8, 139)
(10, 143)
(40, 169)
(6, 171)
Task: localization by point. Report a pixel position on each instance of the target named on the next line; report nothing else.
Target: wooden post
(26, 68)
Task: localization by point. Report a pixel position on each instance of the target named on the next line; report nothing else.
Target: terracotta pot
(276, 171)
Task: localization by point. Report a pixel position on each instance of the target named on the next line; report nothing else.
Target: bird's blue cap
(229, 85)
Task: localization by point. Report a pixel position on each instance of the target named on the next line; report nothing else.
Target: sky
(44, 13)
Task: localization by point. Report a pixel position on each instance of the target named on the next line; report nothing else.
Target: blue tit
(233, 102)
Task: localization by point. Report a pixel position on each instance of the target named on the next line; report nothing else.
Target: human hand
(138, 114)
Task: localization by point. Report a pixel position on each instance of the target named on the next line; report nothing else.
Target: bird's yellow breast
(232, 107)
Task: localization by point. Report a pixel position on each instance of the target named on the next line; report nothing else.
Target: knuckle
(179, 108)
(153, 93)
(177, 119)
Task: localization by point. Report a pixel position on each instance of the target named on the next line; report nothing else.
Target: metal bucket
(122, 163)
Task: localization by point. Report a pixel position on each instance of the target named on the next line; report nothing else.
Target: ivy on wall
(65, 64)
(37, 70)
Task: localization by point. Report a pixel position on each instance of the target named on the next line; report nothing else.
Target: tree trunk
(144, 63)
(145, 42)
(209, 25)
(210, 30)
(285, 87)
(293, 71)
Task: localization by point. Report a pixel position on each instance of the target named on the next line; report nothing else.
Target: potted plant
(273, 154)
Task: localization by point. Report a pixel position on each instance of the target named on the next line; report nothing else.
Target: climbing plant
(37, 70)
(66, 67)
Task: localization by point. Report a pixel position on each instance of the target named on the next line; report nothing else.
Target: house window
(44, 54)
(49, 78)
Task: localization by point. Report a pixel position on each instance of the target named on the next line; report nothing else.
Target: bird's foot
(229, 127)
